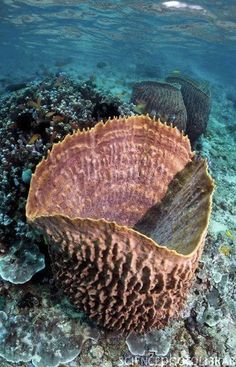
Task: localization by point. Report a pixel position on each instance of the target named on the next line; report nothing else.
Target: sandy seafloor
(205, 333)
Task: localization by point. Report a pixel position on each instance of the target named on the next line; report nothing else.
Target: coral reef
(197, 100)
(163, 100)
(107, 268)
(35, 329)
(189, 341)
(31, 120)
(21, 262)
(157, 341)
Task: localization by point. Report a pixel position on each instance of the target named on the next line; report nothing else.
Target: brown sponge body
(197, 100)
(126, 208)
(163, 100)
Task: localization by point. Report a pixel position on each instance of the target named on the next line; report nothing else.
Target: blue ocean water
(194, 36)
(64, 65)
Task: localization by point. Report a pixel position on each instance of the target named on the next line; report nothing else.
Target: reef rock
(126, 208)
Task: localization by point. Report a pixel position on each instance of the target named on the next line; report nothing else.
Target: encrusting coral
(21, 263)
(126, 208)
(44, 335)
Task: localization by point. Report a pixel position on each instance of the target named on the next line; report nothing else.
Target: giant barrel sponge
(126, 207)
(197, 100)
(162, 100)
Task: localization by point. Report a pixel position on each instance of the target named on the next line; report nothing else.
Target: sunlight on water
(43, 32)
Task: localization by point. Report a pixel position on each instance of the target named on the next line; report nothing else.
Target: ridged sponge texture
(197, 100)
(163, 100)
(126, 250)
(114, 171)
